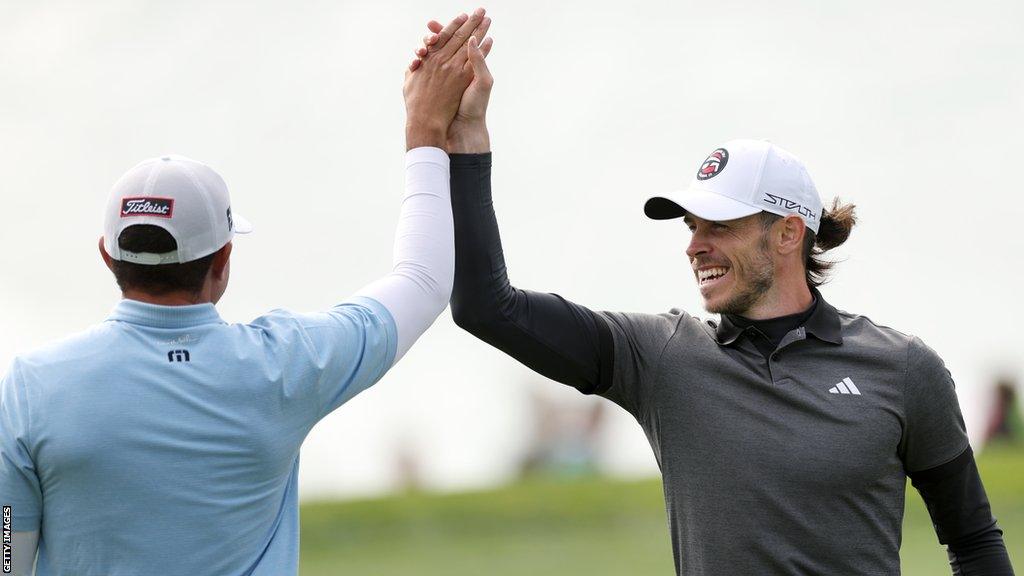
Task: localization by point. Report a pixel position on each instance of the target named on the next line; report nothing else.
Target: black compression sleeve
(962, 517)
(557, 338)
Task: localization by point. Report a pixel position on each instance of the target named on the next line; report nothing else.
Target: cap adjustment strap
(150, 259)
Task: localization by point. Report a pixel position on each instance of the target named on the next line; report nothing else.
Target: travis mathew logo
(714, 164)
(147, 206)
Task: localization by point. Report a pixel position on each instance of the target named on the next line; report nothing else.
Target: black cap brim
(661, 208)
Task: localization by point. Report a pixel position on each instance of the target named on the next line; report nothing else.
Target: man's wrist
(470, 138)
(424, 133)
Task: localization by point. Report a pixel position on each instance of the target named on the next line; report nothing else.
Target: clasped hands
(448, 85)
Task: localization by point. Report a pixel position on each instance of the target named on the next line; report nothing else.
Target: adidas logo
(845, 387)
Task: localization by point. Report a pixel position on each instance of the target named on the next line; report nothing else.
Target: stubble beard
(751, 285)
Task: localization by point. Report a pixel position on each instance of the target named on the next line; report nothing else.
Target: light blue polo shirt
(165, 441)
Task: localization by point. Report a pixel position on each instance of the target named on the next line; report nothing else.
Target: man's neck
(169, 299)
(781, 302)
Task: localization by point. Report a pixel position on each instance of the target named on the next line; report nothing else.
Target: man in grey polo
(785, 431)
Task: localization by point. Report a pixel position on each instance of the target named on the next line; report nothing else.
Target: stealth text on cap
(147, 206)
(790, 205)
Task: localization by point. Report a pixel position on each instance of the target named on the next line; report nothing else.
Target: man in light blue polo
(166, 441)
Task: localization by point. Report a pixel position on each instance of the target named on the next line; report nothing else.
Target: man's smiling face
(730, 261)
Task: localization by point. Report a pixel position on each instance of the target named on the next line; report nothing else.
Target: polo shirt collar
(156, 316)
(727, 331)
(823, 324)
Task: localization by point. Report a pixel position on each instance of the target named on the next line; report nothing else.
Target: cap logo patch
(714, 164)
(147, 206)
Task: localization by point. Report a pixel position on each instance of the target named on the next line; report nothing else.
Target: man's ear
(106, 257)
(791, 234)
(219, 266)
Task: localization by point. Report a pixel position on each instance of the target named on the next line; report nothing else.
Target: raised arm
(351, 346)
(553, 336)
(419, 286)
(596, 352)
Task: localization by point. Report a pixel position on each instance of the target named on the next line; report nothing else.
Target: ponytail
(835, 227)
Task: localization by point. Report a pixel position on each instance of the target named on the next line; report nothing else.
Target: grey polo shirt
(791, 464)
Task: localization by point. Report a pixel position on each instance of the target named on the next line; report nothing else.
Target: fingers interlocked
(446, 42)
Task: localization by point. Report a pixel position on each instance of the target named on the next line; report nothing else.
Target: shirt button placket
(773, 360)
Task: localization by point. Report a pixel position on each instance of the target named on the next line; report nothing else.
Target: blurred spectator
(407, 467)
(1004, 422)
(565, 439)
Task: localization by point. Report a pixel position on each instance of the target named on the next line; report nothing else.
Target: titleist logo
(147, 206)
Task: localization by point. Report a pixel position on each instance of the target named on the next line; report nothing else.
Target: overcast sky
(912, 110)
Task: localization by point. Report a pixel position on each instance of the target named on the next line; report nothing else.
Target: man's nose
(698, 245)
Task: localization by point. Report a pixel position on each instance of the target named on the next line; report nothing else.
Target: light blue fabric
(134, 458)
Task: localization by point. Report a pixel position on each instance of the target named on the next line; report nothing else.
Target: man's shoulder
(68, 351)
(865, 330)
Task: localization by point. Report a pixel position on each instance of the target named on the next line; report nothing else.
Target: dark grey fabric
(765, 470)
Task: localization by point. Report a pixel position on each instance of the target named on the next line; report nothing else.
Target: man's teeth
(710, 274)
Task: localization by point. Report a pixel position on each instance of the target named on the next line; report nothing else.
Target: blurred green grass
(590, 526)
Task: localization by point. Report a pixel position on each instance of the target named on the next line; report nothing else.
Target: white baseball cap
(741, 178)
(184, 197)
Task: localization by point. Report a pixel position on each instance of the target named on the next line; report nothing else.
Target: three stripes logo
(845, 387)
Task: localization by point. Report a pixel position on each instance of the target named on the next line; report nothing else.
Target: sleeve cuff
(426, 154)
(390, 326)
(26, 523)
(470, 160)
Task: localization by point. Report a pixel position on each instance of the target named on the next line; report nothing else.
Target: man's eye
(719, 226)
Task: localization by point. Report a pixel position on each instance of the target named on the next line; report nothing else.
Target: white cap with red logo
(184, 197)
(741, 178)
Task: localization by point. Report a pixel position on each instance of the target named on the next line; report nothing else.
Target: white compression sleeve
(419, 286)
